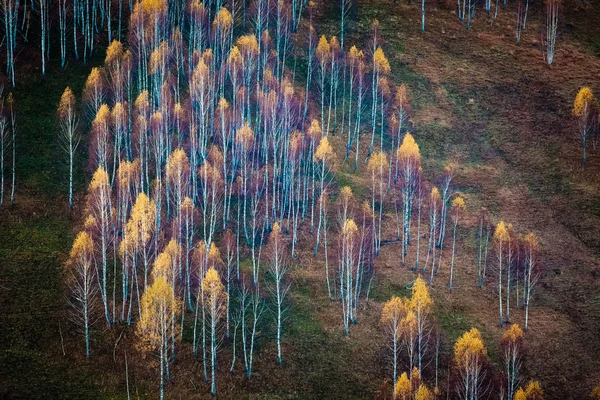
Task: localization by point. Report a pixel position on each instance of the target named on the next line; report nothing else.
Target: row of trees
(81, 22)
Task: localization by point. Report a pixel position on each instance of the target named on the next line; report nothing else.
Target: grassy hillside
(477, 97)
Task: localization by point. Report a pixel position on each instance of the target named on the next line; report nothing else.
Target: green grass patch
(382, 290)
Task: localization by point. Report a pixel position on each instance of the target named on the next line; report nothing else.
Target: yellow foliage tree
(423, 393)
(83, 284)
(534, 391)
(67, 119)
(458, 207)
(420, 304)
(158, 305)
(500, 239)
(402, 389)
(408, 161)
(583, 111)
(415, 379)
(511, 345)
(378, 165)
(520, 395)
(100, 208)
(469, 356)
(215, 299)
(394, 311)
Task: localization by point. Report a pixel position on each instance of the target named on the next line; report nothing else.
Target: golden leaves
(583, 102)
(214, 292)
(323, 49)
(355, 54)
(501, 233)
(154, 7)
(435, 196)
(141, 102)
(409, 149)
(162, 266)
(90, 222)
(458, 203)
(315, 129)
(158, 58)
(520, 395)
(66, 107)
(512, 336)
(178, 164)
(276, 231)
(346, 193)
(595, 395)
(102, 117)
(94, 78)
(423, 393)
(118, 114)
(402, 390)
(334, 45)
(248, 44)
(401, 96)
(534, 391)
(245, 136)
(82, 246)
(235, 57)
(393, 310)
(158, 305)
(350, 228)
(377, 161)
(324, 151)
(382, 64)
(531, 241)
(214, 254)
(469, 348)
(113, 52)
(224, 19)
(142, 220)
(99, 180)
(187, 205)
(420, 300)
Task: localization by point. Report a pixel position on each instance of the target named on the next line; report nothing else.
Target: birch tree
(278, 268)
(402, 388)
(323, 55)
(458, 206)
(158, 306)
(82, 284)
(69, 136)
(378, 165)
(420, 304)
(394, 311)
(511, 347)
(349, 270)
(500, 239)
(100, 208)
(532, 273)
(215, 301)
(409, 159)
(549, 39)
(469, 356)
(324, 155)
(583, 112)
